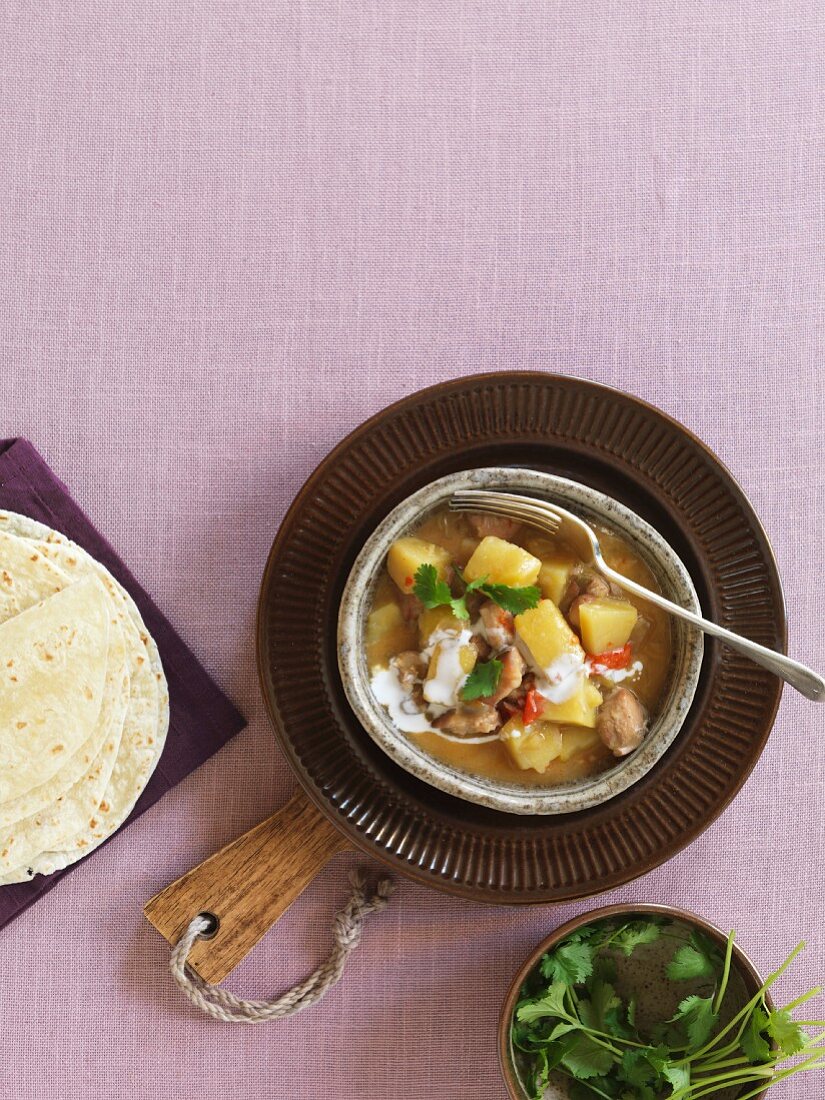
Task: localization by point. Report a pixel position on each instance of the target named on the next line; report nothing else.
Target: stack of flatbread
(84, 706)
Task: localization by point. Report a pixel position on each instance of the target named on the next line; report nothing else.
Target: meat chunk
(621, 721)
(481, 646)
(498, 625)
(411, 607)
(512, 673)
(469, 720)
(584, 582)
(411, 667)
(499, 526)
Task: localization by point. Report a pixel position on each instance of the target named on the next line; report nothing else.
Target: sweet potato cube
(554, 576)
(546, 635)
(533, 746)
(502, 563)
(606, 624)
(579, 710)
(407, 554)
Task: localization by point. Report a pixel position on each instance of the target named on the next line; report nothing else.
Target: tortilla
(53, 661)
(145, 723)
(26, 577)
(24, 840)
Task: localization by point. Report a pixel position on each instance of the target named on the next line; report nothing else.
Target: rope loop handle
(220, 1004)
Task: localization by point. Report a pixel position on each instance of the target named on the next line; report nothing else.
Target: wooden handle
(247, 885)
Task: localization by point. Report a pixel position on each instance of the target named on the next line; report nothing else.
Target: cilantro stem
(800, 1067)
(723, 985)
(805, 997)
(723, 1081)
(726, 1063)
(745, 1012)
(592, 1088)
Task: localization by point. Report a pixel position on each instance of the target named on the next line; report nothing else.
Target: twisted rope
(223, 1005)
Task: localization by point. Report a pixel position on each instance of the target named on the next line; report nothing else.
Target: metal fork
(558, 521)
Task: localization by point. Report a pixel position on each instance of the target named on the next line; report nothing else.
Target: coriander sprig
(573, 1019)
(434, 592)
(482, 681)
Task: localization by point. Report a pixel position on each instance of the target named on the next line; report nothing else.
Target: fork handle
(804, 679)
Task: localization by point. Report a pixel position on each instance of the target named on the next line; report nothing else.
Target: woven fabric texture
(231, 231)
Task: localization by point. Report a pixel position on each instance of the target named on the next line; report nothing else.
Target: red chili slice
(533, 707)
(615, 658)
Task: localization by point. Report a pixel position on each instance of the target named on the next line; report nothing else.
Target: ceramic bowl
(745, 982)
(514, 797)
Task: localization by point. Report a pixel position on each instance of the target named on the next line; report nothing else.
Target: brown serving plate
(751, 980)
(354, 796)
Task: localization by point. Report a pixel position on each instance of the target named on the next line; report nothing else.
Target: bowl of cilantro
(649, 1002)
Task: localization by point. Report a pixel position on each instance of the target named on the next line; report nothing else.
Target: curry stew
(499, 652)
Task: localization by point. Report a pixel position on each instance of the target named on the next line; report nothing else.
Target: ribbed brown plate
(583, 431)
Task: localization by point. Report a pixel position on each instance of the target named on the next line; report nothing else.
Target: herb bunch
(572, 1019)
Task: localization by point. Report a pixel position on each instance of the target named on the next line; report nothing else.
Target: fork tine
(506, 504)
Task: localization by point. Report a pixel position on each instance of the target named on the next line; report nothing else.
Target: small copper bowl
(742, 966)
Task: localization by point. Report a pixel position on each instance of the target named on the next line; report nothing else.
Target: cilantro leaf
(564, 1028)
(677, 1075)
(689, 962)
(756, 1047)
(787, 1034)
(432, 591)
(606, 1006)
(482, 681)
(585, 1058)
(571, 962)
(697, 1016)
(514, 600)
(637, 1068)
(634, 934)
(551, 1004)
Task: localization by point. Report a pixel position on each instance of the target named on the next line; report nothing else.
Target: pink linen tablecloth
(232, 230)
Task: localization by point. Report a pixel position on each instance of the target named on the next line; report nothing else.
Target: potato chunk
(554, 576)
(407, 554)
(449, 665)
(381, 620)
(606, 624)
(578, 740)
(579, 710)
(533, 746)
(502, 563)
(437, 618)
(546, 635)
(465, 660)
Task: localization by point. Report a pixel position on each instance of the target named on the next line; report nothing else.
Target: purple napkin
(201, 718)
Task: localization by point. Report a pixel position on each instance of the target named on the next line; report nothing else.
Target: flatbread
(26, 577)
(53, 660)
(147, 715)
(22, 841)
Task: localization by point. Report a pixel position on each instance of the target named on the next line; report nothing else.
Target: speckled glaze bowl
(745, 981)
(514, 797)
